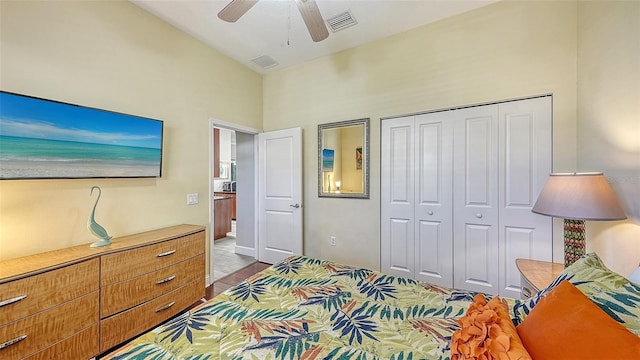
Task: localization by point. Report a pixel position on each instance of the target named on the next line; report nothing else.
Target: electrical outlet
(333, 240)
(192, 199)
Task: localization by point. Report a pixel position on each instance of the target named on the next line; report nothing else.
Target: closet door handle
(430, 212)
(11, 342)
(166, 253)
(479, 216)
(12, 300)
(297, 206)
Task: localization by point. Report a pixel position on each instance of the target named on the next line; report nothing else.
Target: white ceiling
(276, 29)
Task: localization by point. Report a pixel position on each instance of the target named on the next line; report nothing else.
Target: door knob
(479, 216)
(295, 206)
(430, 212)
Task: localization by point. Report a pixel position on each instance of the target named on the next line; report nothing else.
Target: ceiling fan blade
(313, 19)
(235, 9)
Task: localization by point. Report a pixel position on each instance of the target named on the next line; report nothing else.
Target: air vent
(265, 61)
(341, 21)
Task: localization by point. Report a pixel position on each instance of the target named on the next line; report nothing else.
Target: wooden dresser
(78, 302)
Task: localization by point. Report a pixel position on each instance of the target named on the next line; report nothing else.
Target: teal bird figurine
(94, 227)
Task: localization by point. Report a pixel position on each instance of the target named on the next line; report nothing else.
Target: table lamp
(577, 197)
(635, 275)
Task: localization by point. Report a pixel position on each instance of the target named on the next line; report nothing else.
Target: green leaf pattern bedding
(304, 308)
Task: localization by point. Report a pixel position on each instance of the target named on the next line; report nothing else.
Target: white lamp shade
(580, 196)
(635, 276)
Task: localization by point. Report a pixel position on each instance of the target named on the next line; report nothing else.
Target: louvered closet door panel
(476, 199)
(525, 159)
(397, 213)
(433, 203)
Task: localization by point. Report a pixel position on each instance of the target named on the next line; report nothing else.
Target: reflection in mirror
(343, 159)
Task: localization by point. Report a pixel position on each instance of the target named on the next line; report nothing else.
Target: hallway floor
(225, 260)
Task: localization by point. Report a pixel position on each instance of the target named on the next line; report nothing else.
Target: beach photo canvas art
(45, 139)
(327, 160)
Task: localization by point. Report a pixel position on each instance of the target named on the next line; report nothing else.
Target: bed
(304, 308)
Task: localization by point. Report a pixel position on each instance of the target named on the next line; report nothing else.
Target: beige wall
(609, 120)
(503, 51)
(115, 56)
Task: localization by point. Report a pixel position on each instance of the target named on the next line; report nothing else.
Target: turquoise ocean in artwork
(31, 149)
(44, 139)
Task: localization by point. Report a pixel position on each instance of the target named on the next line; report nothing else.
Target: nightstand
(536, 275)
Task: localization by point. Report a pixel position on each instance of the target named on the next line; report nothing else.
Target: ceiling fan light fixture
(308, 9)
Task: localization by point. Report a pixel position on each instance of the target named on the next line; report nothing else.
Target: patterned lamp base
(574, 244)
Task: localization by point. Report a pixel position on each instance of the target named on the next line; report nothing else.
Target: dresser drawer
(126, 294)
(83, 345)
(125, 325)
(48, 327)
(40, 292)
(135, 262)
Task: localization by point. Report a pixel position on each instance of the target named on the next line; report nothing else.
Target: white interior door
(433, 198)
(525, 164)
(280, 194)
(475, 197)
(397, 198)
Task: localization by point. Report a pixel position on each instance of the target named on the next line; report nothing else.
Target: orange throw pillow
(487, 333)
(565, 324)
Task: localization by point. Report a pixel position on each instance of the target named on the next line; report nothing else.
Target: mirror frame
(365, 159)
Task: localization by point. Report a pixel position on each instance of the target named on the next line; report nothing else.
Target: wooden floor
(233, 279)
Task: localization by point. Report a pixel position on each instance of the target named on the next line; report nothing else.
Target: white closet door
(397, 198)
(457, 191)
(525, 164)
(475, 198)
(433, 198)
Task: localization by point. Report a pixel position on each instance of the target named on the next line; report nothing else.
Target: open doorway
(232, 215)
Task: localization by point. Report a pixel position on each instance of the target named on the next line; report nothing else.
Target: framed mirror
(343, 159)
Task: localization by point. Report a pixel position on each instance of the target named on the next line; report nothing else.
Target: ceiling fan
(308, 9)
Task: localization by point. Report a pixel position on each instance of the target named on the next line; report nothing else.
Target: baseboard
(244, 250)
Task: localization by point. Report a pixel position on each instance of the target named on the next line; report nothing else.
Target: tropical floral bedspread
(304, 308)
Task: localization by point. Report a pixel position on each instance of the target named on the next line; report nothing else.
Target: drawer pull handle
(166, 306)
(162, 281)
(11, 342)
(12, 300)
(526, 292)
(166, 253)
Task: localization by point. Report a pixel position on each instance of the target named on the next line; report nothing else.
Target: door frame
(215, 123)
